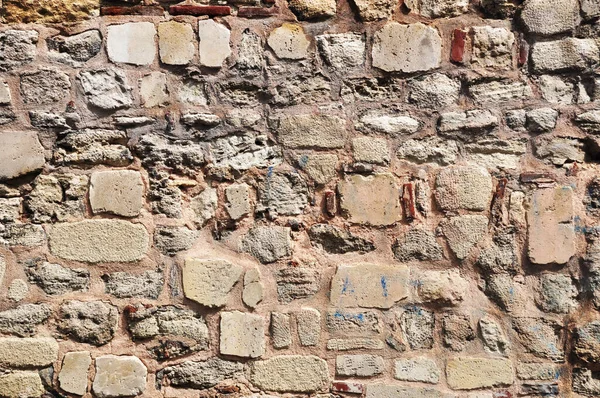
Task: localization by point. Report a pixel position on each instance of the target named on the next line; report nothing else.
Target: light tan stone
(360, 365)
(551, 230)
(153, 90)
(21, 385)
(363, 207)
(18, 290)
(307, 131)
(253, 288)
(464, 187)
(5, 97)
(214, 45)
(21, 154)
(320, 167)
(395, 391)
(312, 9)
(308, 322)
(28, 352)
(49, 11)
(73, 376)
(443, 287)
(119, 376)
(242, 334)
(371, 150)
(464, 232)
(238, 200)
(176, 43)
(131, 43)
(99, 241)
(290, 373)
(209, 282)
(289, 42)
(369, 285)
(118, 192)
(420, 369)
(465, 373)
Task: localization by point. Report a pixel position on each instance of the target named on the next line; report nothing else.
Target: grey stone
(556, 90)
(337, 241)
(157, 151)
(565, 54)
(106, 88)
(388, 123)
(559, 150)
(540, 336)
(77, 49)
(23, 320)
(238, 200)
(547, 18)
(93, 322)
(353, 322)
(589, 121)
(464, 232)
(494, 339)
(283, 193)
(250, 54)
(17, 290)
(355, 344)
(281, 334)
(500, 256)
(93, 146)
(471, 122)
(498, 91)
(119, 376)
(590, 8)
(29, 235)
(361, 365)
(587, 342)
(17, 48)
(48, 120)
(267, 244)
(10, 209)
(537, 371)
(54, 279)
(308, 131)
(429, 150)
(281, 374)
(124, 285)
(44, 87)
(586, 382)
(242, 152)
(342, 51)
(557, 293)
(417, 244)
(418, 328)
(541, 120)
(170, 240)
(253, 292)
(202, 374)
(433, 91)
(296, 282)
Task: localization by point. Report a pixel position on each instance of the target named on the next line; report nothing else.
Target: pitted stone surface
(119, 376)
(28, 352)
(290, 373)
(463, 187)
(209, 282)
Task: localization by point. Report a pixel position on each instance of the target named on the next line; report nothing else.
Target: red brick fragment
(536, 177)
(330, 203)
(523, 51)
(257, 12)
(408, 201)
(348, 387)
(458, 46)
(135, 10)
(196, 10)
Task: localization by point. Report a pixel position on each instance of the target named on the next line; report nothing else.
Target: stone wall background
(311, 198)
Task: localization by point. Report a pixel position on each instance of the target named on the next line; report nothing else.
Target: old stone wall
(361, 198)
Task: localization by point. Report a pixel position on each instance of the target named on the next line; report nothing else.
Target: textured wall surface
(306, 198)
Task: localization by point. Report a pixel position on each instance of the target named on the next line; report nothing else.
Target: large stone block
(131, 43)
(119, 376)
(464, 188)
(465, 373)
(289, 42)
(308, 131)
(176, 43)
(118, 192)
(565, 54)
(21, 154)
(209, 282)
(290, 373)
(242, 334)
(28, 352)
(549, 17)
(214, 47)
(73, 376)
(21, 384)
(49, 11)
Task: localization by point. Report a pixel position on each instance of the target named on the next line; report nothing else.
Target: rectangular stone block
(464, 373)
(28, 352)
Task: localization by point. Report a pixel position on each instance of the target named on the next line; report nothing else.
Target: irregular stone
(321, 168)
(355, 344)
(464, 232)
(442, 287)
(22, 154)
(23, 320)
(170, 240)
(76, 49)
(10, 209)
(209, 282)
(21, 384)
(457, 331)
(308, 325)
(118, 192)
(54, 279)
(202, 374)
(18, 48)
(585, 382)
(281, 335)
(44, 87)
(337, 241)
(492, 47)
(238, 201)
(131, 43)
(557, 293)
(374, 10)
(587, 342)
(29, 235)
(48, 120)
(153, 90)
(541, 120)
(250, 56)
(433, 91)
(369, 285)
(391, 391)
(547, 18)
(357, 201)
(28, 352)
(470, 122)
(253, 288)
(17, 290)
(124, 285)
(362, 365)
(551, 233)
(204, 206)
(105, 88)
(312, 131)
(420, 369)
(242, 335)
(290, 373)
(213, 44)
(465, 373)
(93, 146)
(296, 283)
(289, 42)
(267, 243)
(494, 339)
(242, 152)
(565, 54)
(371, 150)
(342, 51)
(559, 150)
(417, 325)
(537, 371)
(378, 122)
(556, 90)
(417, 244)
(312, 9)
(353, 323)
(499, 91)
(73, 376)
(503, 290)
(176, 43)
(406, 48)
(119, 376)
(541, 337)
(93, 322)
(193, 92)
(590, 8)
(99, 241)
(49, 12)
(5, 97)
(282, 193)
(429, 150)
(463, 187)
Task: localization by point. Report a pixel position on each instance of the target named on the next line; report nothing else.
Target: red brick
(408, 201)
(347, 387)
(135, 10)
(195, 10)
(458, 45)
(330, 203)
(257, 12)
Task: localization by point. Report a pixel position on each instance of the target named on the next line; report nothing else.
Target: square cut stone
(132, 43)
(214, 47)
(176, 43)
(118, 192)
(242, 334)
(21, 154)
(119, 376)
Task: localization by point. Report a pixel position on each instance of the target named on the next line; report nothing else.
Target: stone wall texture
(294, 198)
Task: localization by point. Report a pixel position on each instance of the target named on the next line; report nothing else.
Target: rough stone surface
(464, 188)
(492, 47)
(18, 48)
(433, 91)
(420, 369)
(342, 50)
(289, 42)
(74, 372)
(359, 365)
(550, 17)
(308, 324)
(338, 241)
(494, 338)
(123, 285)
(209, 282)
(43, 87)
(464, 232)
(93, 322)
(457, 331)
(442, 287)
(313, 9)
(24, 319)
(54, 279)
(153, 90)
(202, 374)
(106, 88)
(565, 54)
(267, 244)
(117, 192)
(22, 154)
(307, 131)
(28, 352)
(176, 43)
(119, 376)
(290, 373)
(465, 373)
(242, 334)
(21, 384)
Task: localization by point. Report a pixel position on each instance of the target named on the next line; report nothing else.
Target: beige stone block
(214, 47)
(308, 131)
(21, 385)
(28, 352)
(320, 167)
(289, 42)
(176, 43)
(131, 43)
(242, 334)
(371, 150)
(209, 282)
(153, 90)
(119, 376)
(118, 192)
(21, 154)
(73, 376)
(290, 373)
(464, 373)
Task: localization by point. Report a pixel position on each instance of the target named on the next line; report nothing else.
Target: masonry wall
(367, 198)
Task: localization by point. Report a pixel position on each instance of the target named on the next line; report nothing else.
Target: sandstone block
(371, 150)
(203, 374)
(238, 200)
(21, 384)
(342, 51)
(493, 47)
(22, 154)
(312, 9)
(392, 391)
(362, 365)
(392, 124)
(308, 131)
(176, 43)
(290, 373)
(464, 232)
(320, 167)
(289, 42)
(420, 369)
(442, 287)
(214, 45)
(131, 43)
(281, 334)
(564, 54)
(242, 335)
(545, 17)
(464, 188)
(119, 376)
(118, 192)
(99, 241)
(209, 282)
(73, 376)
(253, 288)
(433, 91)
(267, 244)
(308, 322)
(465, 373)
(153, 90)
(28, 352)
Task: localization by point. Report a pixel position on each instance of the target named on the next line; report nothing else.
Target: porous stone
(391, 391)
(131, 43)
(466, 373)
(417, 244)
(406, 48)
(442, 287)
(551, 231)
(541, 120)
(557, 293)
(492, 47)
(202, 374)
(457, 331)
(499, 91)
(433, 91)
(49, 11)
(99, 241)
(253, 292)
(250, 54)
(119, 376)
(374, 10)
(590, 8)
(242, 334)
(289, 42)
(153, 90)
(470, 122)
(296, 283)
(23, 320)
(438, 8)
(342, 51)
(429, 150)
(371, 150)
(73, 376)
(238, 200)
(204, 206)
(358, 203)
(209, 282)
(281, 335)
(312, 9)
(350, 322)
(28, 352)
(21, 384)
(369, 285)
(123, 285)
(170, 240)
(45, 86)
(464, 232)
(57, 197)
(565, 54)
(355, 344)
(537, 371)
(54, 279)
(308, 325)
(547, 18)
(75, 50)
(17, 290)
(312, 131)
(463, 188)
(176, 43)
(93, 322)
(417, 325)
(18, 48)
(494, 338)
(29, 235)
(22, 154)
(587, 342)
(540, 336)
(420, 369)
(361, 365)
(290, 373)
(337, 241)
(267, 243)
(556, 90)
(93, 146)
(321, 168)
(380, 122)
(282, 193)
(213, 44)
(118, 192)
(106, 88)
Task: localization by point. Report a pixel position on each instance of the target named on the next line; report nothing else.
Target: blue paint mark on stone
(270, 171)
(303, 161)
(346, 316)
(384, 286)
(347, 286)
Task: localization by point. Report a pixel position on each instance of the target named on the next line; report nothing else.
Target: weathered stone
(48, 120)
(204, 206)
(417, 244)
(119, 376)
(498, 91)
(49, 12)
(176, 43)
(76, 49)
(21, 384)
(438, 8)
(242, 335)
(202, 374)
(308, 131)
(494, 339)
(429, 150)
(541, 120)
(391, 391)
(373, 10)
(45, 86)
(24, 319)
(590, 8)
(363, 365)
(406, 48)
(457, 331)
(93, 146)
(420, 369)
(296, 283)
(541, 337)
(290, 373)
(289, 42)
(57, 197)
(238, 200)
(18, 48)
(355, 344)
(250, 55)
(470, 122)
(284, 193)
(93, 322)
(29, 235)
(170, 240)
(253, 288)
(22, 154)
(242, 152)
(564, 54)
(267, 244)
(492, 47)
(213, 44)
(281, 334)
(433, 91)
(547, 18)
(442, 287)
(337, 241)
(371, 150)
(504, 291)
(153, 90)
(5, 96)
(464, 232)
(392, 124)
(463, 187)
(369, 285)
(106, 88)
(585, 382)
(10, 209)
(54, 279)
(361, 207)
(28, 352)
(99, 241)
(131, 43)
(308, 325)
(17, 290)
(466, 373)
(321, 168)
(418, 326)
(587, 342)
(73, 376)
(556, 90)
(209, 282)
(551, 232)
(118, 192)
(557, 293)
(353, 323)
(537, 371)
(312, 9)
(342, 51)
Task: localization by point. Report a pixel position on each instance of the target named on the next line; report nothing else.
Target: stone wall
(313, 198)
